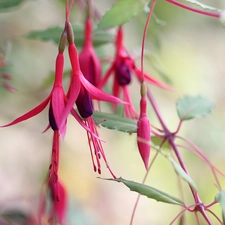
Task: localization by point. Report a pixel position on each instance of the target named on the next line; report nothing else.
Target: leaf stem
(215, 15)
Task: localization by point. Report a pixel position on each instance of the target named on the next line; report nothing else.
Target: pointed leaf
(8, 4)
(204, 6)
(150, 192)
(220, 197)
(115, 122)
(121, 12)
(158, 142)
(182, 174)
(191, 107)
(53, 34)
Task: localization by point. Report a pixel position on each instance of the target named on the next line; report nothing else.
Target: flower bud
(84, 103)
(143, 129)
(123, 74)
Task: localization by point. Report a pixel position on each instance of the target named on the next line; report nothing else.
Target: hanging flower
(56, 98)
(89, 63)
(123, 66)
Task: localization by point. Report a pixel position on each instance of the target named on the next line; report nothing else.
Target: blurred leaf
(182, 173)
(15, 216)
(206, 7)
(48, 81)
(115, 122)
(191, 107)
(8, 4)
(150, 192)
(53, 34)
(220, 197)
(158, 141)
(121, 12)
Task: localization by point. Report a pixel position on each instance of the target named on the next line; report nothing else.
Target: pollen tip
(99, 170)
(95, 169)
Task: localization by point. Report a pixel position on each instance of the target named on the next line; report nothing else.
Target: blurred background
(190, 51)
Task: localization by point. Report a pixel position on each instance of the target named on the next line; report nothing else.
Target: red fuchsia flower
(56, 99)
(58, 195)
(58, 192)
(143, 129)
(89, 61)
(122, 67)
(81, 92)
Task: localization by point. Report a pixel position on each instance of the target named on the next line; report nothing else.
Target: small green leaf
(182, 174)
(8, 4)
(115, 122)
(121, 12)
(206, 7)
(158, 142)
(48, 81)
(53, 34)
(220, 197)
(191, 107)
(150, 192)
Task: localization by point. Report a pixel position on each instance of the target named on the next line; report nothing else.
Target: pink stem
(215, 15)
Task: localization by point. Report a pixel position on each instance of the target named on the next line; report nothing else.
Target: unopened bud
(70, 35)
(62, 42)
(143, 90)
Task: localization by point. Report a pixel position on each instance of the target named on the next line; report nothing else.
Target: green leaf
(191, 107)
(220, 197)
(8, 4)
(206, 7)
(150, 192)
(182, 174)
(121, 12)
(158, 141)
(115, 122)
(15, 217)
(48, 81)
(53, 34)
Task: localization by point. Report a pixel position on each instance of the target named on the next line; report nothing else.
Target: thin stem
(144, 38)
(201, 154)
(210, 211)
(215, 15)
(170, 138)
(143, 181)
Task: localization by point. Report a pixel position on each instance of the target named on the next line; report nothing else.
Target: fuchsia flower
(122, 67)
(89, 62)
(56, 99)
(58, 192)
(81, 92)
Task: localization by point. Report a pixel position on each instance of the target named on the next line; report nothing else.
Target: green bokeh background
(190, 48)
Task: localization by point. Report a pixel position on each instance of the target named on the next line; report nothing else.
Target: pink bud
(89, 61)
(143, 131)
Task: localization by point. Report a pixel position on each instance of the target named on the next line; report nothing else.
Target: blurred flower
(89, 62)
(122, 67)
